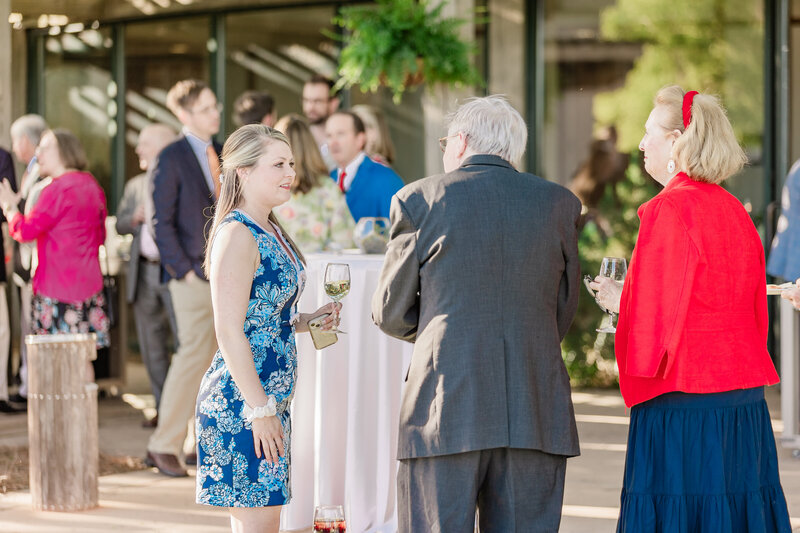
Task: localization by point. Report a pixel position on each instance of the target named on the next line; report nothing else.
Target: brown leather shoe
(166, 463)
(190, 459)
(150, 423)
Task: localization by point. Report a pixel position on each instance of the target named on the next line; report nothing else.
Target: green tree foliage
(589, 355)
(707, 45)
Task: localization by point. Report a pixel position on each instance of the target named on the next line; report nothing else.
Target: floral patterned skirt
(53, 317)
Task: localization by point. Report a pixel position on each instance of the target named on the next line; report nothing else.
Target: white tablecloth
(346, 408)
(790, 376)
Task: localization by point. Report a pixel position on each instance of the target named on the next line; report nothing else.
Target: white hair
(31, 126)
(492, 126)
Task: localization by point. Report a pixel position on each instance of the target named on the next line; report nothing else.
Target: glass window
(79, 93)
(794, 82)
(604, 61)
(277, 50)
(158, 55)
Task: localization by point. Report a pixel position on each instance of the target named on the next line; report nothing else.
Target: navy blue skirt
(703, 463)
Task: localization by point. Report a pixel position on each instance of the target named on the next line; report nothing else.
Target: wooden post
(62, 422)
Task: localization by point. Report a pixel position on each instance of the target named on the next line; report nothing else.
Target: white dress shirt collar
(351, 169)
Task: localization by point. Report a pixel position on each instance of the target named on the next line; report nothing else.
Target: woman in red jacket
(691, 339)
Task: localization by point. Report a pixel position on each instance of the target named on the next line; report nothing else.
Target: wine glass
(337, 283)
(329, 519)
(613, 268)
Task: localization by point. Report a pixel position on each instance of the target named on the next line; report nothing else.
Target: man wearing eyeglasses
(482, 274)
(185, 190)
(320, 102)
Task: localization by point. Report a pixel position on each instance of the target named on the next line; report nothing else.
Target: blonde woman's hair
(308, 163)
(707, 149)
(243, 149)
(382, 145)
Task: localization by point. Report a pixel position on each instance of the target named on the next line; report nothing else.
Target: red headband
(688, 98)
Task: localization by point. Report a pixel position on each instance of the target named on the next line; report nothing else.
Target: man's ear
(361, 139)
(182, 114)
(462, 144)
(333, 105)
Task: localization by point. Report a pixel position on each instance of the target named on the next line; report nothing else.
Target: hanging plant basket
(412, 79)
(401, 44)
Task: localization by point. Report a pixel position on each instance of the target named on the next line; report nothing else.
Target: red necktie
(342, 176)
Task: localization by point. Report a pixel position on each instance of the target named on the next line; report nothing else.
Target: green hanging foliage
(400, 44)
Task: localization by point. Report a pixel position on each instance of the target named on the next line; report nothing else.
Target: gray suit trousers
(514, 490)
(155, 319)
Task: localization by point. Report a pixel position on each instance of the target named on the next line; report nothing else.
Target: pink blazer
(68, 223)
(693, 314)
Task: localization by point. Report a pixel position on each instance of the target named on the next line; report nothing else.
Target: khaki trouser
(197, 344)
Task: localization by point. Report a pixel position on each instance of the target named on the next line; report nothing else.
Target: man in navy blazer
(185, 188)
(368, 186)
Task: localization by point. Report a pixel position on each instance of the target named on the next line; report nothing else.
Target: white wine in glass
(337, 283)
(615, 269)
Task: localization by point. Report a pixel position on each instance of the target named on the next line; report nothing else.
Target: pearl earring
(671, 166)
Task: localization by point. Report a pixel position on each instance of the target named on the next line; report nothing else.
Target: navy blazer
(370, 193)
(184, 205)
(6, 172)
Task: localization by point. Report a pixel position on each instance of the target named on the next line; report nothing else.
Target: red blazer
(693, 314)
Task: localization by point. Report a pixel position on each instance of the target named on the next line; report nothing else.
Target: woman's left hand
(8, 198)
(332, 320)
(608, 293)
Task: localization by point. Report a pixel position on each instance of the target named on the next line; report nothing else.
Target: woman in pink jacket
(68, 224)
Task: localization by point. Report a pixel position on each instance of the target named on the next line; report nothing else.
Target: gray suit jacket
(482, 274)
(134, 195)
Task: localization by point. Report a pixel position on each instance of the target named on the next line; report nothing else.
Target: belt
(149, 261)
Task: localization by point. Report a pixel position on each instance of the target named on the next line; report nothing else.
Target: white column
(507, 52)
(439, 100)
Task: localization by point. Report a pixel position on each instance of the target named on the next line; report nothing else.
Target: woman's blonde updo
(707, 149)
(242, 150)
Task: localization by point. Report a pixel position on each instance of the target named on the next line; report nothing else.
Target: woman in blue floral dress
(256, 274)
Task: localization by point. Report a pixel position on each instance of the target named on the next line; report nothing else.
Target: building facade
(582, 72)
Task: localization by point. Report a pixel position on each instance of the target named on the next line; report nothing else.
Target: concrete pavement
(148, 502)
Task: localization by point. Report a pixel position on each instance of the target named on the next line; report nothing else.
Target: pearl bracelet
(268, 409)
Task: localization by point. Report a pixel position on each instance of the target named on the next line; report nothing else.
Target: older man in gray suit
(482, 274)
(152, 304)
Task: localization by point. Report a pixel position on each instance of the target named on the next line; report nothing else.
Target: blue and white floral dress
(228, 472)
